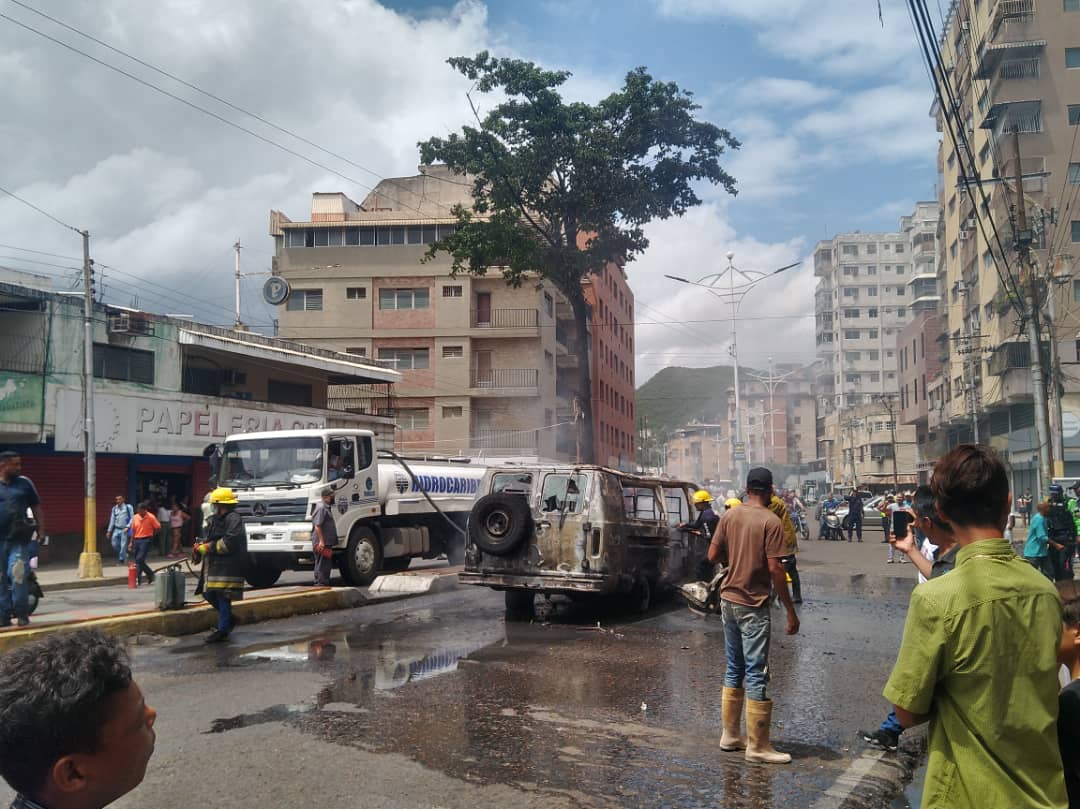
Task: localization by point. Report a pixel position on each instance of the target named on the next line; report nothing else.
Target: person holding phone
(935, 557)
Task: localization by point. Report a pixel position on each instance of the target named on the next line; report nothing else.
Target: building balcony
(503, 319)
(1009, 14)
(1010, 356)
(504, 380)
(994, 55)
(525, 441)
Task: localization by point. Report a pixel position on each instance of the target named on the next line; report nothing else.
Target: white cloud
(835, 36)
(683, 325)
(768, 91)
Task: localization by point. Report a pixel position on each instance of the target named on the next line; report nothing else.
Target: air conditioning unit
(119, 324)
(877, 458)
(970, 224)
(965, 235)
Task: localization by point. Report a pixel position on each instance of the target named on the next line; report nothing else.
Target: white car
(871, 510)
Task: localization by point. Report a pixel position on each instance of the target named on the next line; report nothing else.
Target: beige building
(1014, 68)
(868, 438)
(479, 360)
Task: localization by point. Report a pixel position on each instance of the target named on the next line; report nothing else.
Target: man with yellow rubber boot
(225, 554)
(750, 541)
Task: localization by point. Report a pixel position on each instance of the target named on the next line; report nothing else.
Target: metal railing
(506, 439)
(505, 378)
(505, 318)
(1019, 68)
(371, 400)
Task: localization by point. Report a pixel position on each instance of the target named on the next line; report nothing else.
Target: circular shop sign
(276, 291)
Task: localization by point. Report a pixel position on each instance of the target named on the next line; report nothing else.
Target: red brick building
(613, 408)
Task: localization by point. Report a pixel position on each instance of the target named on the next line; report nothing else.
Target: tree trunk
(585, 432)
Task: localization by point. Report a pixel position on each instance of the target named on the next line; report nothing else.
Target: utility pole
(90, 559)
(1038, 380)
(969, 371)
(236, 247)
(887, 402)
(1057, 440)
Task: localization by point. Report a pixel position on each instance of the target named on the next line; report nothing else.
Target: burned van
(580, 531)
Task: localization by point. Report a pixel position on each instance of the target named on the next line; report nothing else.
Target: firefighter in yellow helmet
(731, 502)
(225, 555)
(705, 523)
(791, 540)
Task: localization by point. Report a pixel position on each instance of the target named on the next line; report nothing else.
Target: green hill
(677, 396)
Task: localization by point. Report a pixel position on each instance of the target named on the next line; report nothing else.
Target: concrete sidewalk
(120, 610)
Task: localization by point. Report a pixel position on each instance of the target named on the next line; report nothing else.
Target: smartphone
(900, 522)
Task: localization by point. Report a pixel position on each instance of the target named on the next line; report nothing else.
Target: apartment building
(1014, 68)
(871, 449)
(919, 350)
(486, 368)
(701, 453)
(870, 287)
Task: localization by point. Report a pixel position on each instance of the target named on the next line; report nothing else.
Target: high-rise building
(1011, 72)
(486, 368)
(870, 287)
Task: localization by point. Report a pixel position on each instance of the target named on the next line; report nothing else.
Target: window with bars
(418, 298)
(304, 300)
(452, 291)
(405, 359)
(123, 364)
(453, 352)
(413, 418)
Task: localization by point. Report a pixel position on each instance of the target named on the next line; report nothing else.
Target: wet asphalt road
(438, 702)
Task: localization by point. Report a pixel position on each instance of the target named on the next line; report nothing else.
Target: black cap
(1076, 486)
(759, 479)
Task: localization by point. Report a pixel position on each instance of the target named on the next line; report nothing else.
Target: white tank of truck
(387, 510)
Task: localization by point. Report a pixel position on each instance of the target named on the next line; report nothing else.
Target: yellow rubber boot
(732, 706)
(758, 721)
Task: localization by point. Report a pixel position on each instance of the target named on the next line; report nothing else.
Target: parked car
(580, 531)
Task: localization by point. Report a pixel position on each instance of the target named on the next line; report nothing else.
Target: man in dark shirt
(1062, 531)
(75, 730)
(854, 514)
(1068, 726)
(17, 494)
(323, 537)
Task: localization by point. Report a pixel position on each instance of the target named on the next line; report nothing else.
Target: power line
(41, 211)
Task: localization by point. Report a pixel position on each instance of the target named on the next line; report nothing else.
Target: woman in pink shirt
(177, 516)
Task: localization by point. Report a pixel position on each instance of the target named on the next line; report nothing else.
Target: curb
(875, 778)
(81, 584)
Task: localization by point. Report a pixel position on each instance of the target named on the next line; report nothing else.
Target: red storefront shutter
(59, 481)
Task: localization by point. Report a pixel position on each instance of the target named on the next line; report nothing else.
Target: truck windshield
(246, 463)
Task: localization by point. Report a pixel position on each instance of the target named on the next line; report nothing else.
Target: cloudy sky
(830, 104)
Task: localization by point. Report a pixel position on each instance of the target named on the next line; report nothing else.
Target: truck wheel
(519, 604)
(262, 574)
(396, 564)
(363, 557)
(498, 523)
(639, 599)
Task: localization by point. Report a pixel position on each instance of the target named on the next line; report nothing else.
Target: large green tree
(560, 189)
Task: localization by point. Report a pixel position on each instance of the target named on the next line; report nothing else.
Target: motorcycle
(832, 529)
(800, 525)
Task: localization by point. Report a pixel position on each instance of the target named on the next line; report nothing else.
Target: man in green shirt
(979, 655)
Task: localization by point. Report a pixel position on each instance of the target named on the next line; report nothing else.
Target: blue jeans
(223, 605)
(14, 588)
(119, 539)
(892, 724)
(746, 646)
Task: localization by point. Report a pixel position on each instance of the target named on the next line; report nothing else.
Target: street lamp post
(731, 286)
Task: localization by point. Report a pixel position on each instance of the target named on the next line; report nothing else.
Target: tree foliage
(561, 189)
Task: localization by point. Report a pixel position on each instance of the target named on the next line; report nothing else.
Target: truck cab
(579, 531)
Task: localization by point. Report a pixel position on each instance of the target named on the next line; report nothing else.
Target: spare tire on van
(499, 523)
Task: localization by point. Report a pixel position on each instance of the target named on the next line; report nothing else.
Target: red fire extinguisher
(133, 573)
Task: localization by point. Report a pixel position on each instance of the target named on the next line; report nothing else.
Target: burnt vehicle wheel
(639, 599)
(261, 574)
(519, 604)
(363, 557)
(499, 523)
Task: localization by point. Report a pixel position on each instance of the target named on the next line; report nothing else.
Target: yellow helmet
(223, 496)
(702, 496)
(731, 502)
